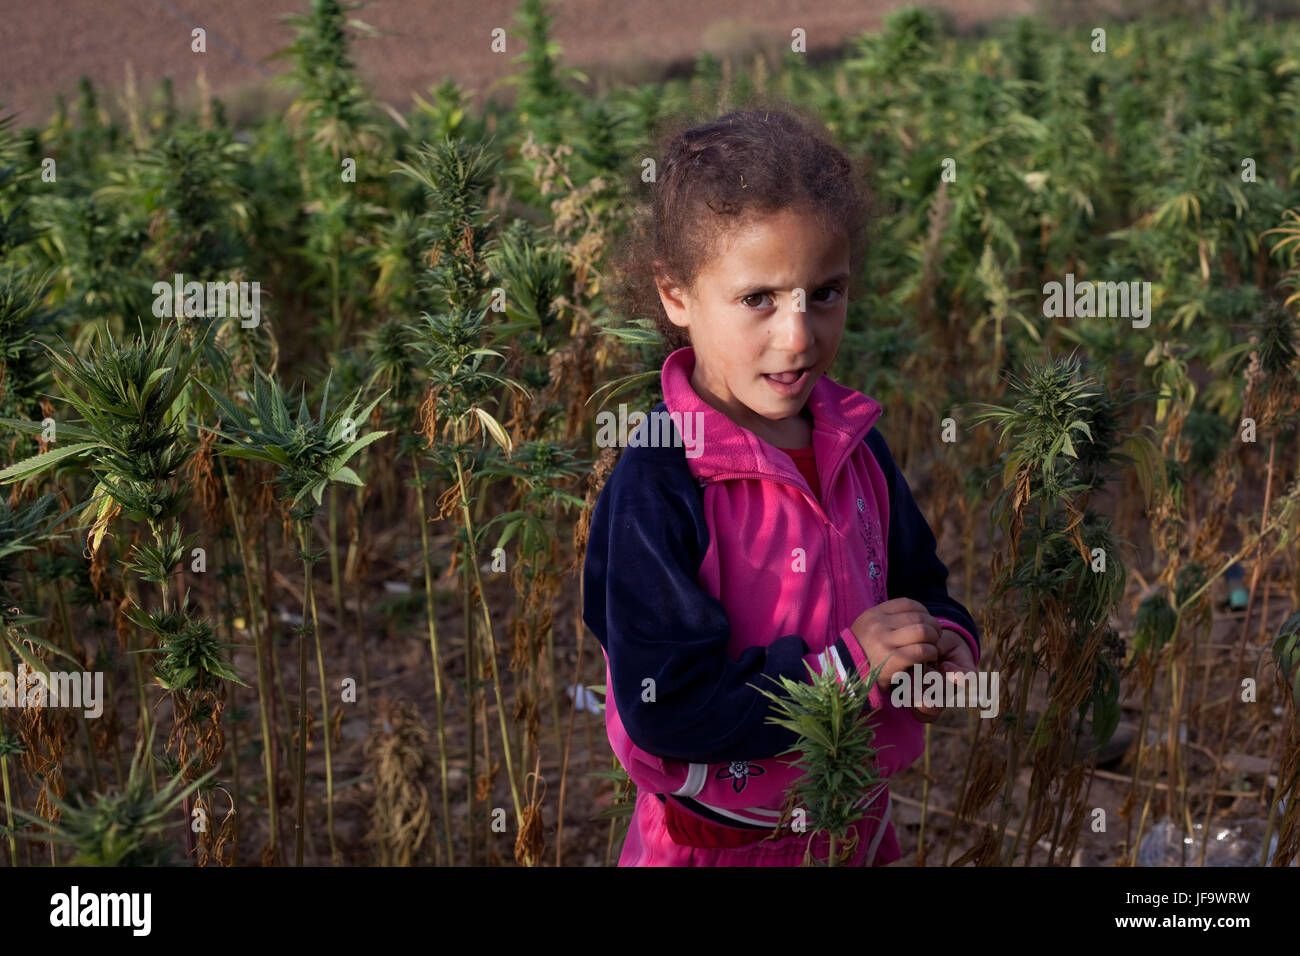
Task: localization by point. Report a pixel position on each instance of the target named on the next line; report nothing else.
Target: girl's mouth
(788, 384)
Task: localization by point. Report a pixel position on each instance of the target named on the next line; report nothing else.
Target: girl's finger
(950, 641)
(918, 632)
(902, 606)
(909, 654)
(901, 620)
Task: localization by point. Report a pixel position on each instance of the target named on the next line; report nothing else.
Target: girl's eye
(833, 294)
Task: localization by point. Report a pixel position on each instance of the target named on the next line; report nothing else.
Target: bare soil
(47, 46)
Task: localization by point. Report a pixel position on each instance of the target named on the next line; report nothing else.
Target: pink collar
(841, 419)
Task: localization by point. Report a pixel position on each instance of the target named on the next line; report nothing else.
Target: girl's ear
(673, 298)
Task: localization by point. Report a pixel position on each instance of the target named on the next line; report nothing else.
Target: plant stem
(1147, 682)
(354, 557)
(1160, 733)
(1060, 808)
(492, 644)
(67, 632)
(336, 858)
(965, 779)
(1241, 650)
(1022, 692)
(336, 583)
(166, 604)
(1272, 814)
(269, 745)
(301, 805)
(568, 737)
(227, 627)
(437, 666)
(9, 810)
(471, 707)
(146, 723)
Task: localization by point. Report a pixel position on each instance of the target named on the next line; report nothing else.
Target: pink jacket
(706, 573)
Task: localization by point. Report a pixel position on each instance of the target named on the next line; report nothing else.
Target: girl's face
(765, 319)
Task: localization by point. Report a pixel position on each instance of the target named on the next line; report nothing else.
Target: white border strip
(880, 829)
(696, 778)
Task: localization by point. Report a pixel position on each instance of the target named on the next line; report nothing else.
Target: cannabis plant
(308, 452)
(25, 321)
(1064, 578)
(126, 828)
(837, 756)
(463, 379)
(23, 528)
(127, 437)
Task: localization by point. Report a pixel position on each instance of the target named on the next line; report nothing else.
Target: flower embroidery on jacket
(739, 771)
(871, 536)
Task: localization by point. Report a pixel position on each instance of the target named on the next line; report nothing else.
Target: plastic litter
(587, 699)
(1234, 844)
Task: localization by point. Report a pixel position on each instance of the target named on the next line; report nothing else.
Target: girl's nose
(794, 333)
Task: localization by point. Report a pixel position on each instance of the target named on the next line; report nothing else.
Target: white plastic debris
(1234, 844)
(587, 699)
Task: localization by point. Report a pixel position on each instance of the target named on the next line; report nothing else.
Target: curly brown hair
(720, 176)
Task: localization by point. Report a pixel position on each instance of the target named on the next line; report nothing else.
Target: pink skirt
(649, 844)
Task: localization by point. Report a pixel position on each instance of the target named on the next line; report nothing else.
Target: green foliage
(24, 322)
(543, 99)
(1122, 167)
(15, 182)
(542, 469)
(460, 370)
(125, 828)
(332, 103)
(96, 252)
(1154, 625)
(188, 186)
(157, 562)
(192, 658)
(837, 756)
(23, 527)
(1286, 653)
(456, 176)
(127, 436)
(309, 452)
(1044, 409)
(1277, 341)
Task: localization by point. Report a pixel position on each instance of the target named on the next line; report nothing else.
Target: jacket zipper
(828, 531)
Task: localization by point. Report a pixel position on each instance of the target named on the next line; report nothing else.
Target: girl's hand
(955, 658)
(895, 635)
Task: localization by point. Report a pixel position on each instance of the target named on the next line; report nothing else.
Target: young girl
(783, 536)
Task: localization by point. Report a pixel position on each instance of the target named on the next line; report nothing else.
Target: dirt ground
(397, 650)
(46, 47)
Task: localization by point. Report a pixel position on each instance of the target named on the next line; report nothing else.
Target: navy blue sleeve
(643, 602)
(915, 570)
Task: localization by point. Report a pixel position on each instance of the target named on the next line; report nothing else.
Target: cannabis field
(300, 444)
